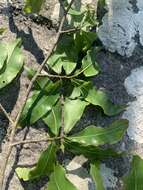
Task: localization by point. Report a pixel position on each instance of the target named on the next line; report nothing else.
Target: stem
(14, 125)
(35, 141)
(6, 114)
(65, 76)
(70, 30)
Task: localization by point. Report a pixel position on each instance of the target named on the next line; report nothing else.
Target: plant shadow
(8, 99)
(28, 40)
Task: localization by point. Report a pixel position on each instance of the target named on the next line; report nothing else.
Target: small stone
(78, 175)
(122, 25)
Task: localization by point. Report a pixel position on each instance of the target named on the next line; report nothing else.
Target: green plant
(59, 98)
(2, 30)
(134, 179)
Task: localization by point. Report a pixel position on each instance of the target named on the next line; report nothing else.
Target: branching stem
(35, 141)
(70, 30)
(65, 76)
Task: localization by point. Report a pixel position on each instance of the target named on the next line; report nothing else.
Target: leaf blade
(33, 6)
(2, 30)
(74, 108)
(53, 119)
(42, 107)
(134, 181)
(41, 102)
(90, 152)
(58, 180)
(65, 57)
(89, 62)
(13, 64)
(95, 173)
(99, 98)
(44, 166)
(99, 136)
(3, 56)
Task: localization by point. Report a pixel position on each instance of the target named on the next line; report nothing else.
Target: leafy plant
(133, 181)
(77, 62)
(60, 97)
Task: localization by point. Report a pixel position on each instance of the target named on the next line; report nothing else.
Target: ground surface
(38, 36)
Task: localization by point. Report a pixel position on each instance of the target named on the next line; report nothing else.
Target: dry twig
(36, 141)
(6, 114)
(64, 76)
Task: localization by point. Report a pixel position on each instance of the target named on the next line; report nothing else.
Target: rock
(81, 184)
(76, 163)
(109, 180)
(134, 113)
(78, 175)
(122, 27)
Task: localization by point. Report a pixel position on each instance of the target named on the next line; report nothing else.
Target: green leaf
(74, 12)
(76, 18)
(84, 19)
(33, 6)
(26, 114)
(40, 82)
(100, 98)
(134, 180)
(96, 97)
(89, 19)
(65, 56)
(62, 62)
(75, 93)
(23, 173)
(3, 56)
(11, 62)
(90, 65)
(73, 110)
(90, 152)
(2, 30)
(42, 107)
(81, 88)
(84, 40)
(69, 66)
(40, 103)
(95, 173)
(29, 72)
(44, 166)
(46, 163)
(99, 136)
(53, 118)
(55, 62)
(58, 180)
(101, 10)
